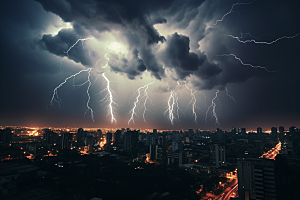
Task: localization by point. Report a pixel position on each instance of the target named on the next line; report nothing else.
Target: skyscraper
(217, 155)
(256, 178)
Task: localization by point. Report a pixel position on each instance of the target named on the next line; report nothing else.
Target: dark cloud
(29, 75)
(132, 68)
(60, 43)
(109, 15)
(177, 56)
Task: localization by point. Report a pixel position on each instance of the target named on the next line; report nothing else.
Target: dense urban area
(82, 163)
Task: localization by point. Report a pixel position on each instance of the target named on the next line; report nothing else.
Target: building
(256, 178)
(243, 131)
(49, 137)
(6, 136)
(131, 139)
(217, 155)
(274, 131)
(66, 140)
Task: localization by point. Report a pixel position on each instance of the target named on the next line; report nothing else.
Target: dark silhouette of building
(259, 130)
(66, 140)
(80, 136)
(243, 131)
(49, 137)
(117, 137)
(6, 136)
(131, 139)
(274, 131)
(256, 178)
(217, 155)
(108, 138)
(281, 129)
(233, 131)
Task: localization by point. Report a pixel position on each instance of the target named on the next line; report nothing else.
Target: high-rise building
(117, 137)
(131, 139)
(108, 138)
(66, 140)
(6, 136)
(281, 129)
(49, 137)
(256, 178)
(243, 131)
(259, 130)
(80, 136)
(233, 131)
(274, 131)
(217, 155)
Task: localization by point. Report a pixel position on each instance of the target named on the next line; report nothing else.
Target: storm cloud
(170, 40)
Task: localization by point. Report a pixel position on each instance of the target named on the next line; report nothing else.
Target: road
(271, 154)
(228, 192)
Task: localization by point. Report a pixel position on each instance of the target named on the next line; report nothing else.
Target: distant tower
(281, 129)
(273, 130)
(243, 131)
(259, 130)
(233, 130)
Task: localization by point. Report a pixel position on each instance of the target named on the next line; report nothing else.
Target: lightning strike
(110, 99)
(246, 64)
(193, 102)
(231, 10)
(67, 52)
(55, 97)
(172, 106)
(139, 98)
(213, 105)
(82, 40)
(146, 99)
(268, 43)
(231, 97)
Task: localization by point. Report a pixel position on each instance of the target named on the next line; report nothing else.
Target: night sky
(246, 52)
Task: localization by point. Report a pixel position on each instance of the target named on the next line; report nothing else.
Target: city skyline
(168, 66)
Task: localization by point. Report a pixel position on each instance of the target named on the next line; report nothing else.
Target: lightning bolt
(67, 52)
(55, 97)
(173, 106)
(257, 42)
(110, 99)
(138, 98)
(246, 64)
(229, 95)
(82, 40)
(231, 10)
(193, 102)
(213, 105)
(146, 98)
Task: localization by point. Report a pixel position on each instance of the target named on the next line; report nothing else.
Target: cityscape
(89, 163)
(149, 100)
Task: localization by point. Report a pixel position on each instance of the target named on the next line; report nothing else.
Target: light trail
(139, 98)
(230, 95)
(213, 105)
(231, 10)
(268, 43)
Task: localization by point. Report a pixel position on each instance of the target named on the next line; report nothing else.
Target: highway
(232, 190)
(272, 153)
